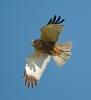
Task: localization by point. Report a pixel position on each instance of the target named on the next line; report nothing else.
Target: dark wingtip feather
(58, 19)
(49, 21)
(36, 82)
(61, 21)
(24, 74)
(54, 21)
(26, 80)
(30, 80)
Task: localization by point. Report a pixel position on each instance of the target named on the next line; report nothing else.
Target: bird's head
(36, 43)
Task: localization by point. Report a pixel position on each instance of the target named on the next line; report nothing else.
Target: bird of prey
(44, 48)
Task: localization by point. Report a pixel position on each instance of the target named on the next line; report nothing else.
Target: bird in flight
(44, 48)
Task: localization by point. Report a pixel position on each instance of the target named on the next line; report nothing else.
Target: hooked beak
(32, 42)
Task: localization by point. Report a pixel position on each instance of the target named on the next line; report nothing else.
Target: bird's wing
(35, 65)
(51, 32)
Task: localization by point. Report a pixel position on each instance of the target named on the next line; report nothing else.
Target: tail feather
(65, 55)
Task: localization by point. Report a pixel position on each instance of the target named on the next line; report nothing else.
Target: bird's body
(47, 47)
(44, 48)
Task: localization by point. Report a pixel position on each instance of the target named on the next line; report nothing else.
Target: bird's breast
(46, 46)
(49, 47)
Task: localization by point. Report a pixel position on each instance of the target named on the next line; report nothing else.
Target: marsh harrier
(44, 48)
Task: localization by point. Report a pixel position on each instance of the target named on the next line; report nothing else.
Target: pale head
(36, 43)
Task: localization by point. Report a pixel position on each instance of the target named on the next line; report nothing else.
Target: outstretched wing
(35, 65)
(51, 32)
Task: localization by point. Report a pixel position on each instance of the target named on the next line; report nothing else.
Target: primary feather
(35, 65)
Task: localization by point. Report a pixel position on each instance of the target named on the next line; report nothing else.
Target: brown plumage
(48, 47)
(44, 48)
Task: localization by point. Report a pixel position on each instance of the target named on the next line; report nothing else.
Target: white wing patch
(35, 65)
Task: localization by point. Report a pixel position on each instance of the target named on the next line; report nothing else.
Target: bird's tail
(65, 53)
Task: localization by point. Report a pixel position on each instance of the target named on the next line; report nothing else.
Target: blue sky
(20, 23)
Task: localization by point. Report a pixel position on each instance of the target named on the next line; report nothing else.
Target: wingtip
(30, 81)
(55, 21)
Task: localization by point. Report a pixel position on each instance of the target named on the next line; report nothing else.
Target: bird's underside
(44, 48)
(49, 47)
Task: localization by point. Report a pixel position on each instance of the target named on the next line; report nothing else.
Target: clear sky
(20, 23)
